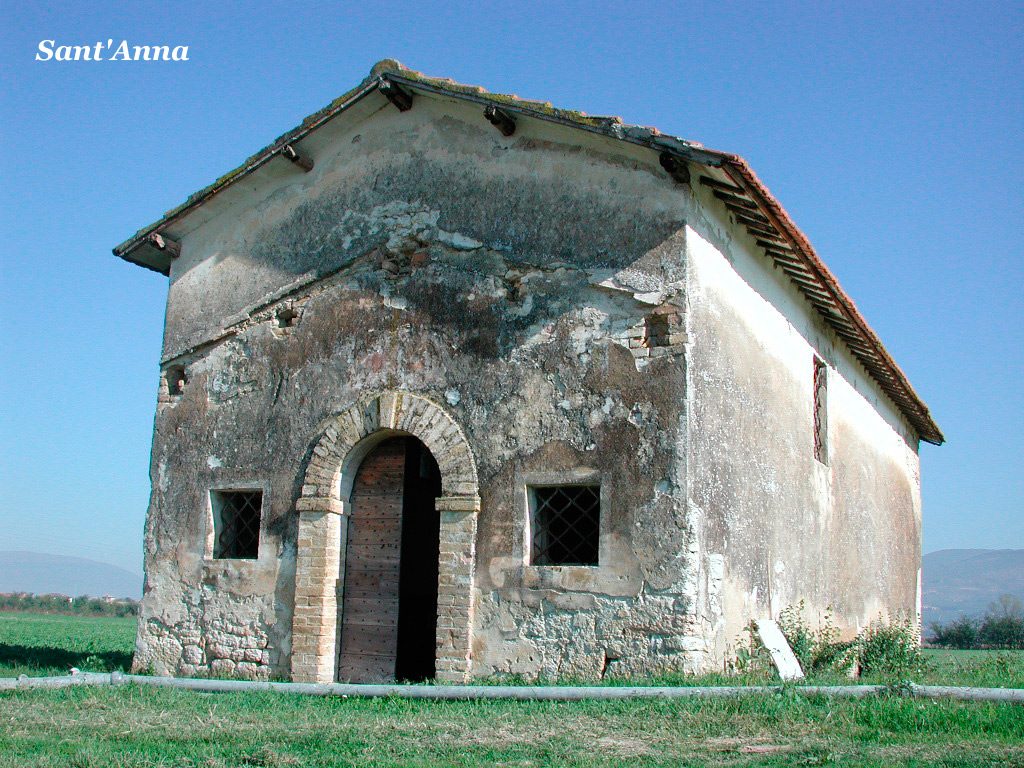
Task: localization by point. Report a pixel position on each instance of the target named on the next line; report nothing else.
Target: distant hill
(73, 576)
(962, 582)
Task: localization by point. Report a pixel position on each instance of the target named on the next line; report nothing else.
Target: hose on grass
(509, 692)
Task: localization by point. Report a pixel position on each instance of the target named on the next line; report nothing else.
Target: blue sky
(891, 133)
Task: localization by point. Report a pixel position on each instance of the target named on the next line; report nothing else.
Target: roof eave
(877, 361)
(884, 370)
(254, 162)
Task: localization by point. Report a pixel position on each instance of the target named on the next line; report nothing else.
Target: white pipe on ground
(519, 693)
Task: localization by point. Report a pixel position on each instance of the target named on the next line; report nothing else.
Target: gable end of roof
(744, 195)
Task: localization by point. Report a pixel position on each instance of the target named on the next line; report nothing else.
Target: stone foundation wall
(212, 635)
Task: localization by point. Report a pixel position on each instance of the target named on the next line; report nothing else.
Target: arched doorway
(388, 607)
(324, 506)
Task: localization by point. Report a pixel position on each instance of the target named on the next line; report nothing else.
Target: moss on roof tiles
(393, 67)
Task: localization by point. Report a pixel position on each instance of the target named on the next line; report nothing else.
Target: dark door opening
(417, 602)
(388, 624)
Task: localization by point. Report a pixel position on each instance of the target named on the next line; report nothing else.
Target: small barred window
(236, 524)
(566, 524)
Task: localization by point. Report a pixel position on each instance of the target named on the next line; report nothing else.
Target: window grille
(236, 516)
(566, 524)
(820, 410)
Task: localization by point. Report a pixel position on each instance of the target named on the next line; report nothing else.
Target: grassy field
(986, 669)
(46, 644)
(133, 726)
(157, 727)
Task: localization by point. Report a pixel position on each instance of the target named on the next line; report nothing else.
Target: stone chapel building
(457, 384)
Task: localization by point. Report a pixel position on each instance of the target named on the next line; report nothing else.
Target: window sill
(214, 568)
(570, 578)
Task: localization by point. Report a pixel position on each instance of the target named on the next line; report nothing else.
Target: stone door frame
(340, 445)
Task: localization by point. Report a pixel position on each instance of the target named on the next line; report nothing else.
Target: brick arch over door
(339, 446)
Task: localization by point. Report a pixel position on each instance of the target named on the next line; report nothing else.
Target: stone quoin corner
(456, 384)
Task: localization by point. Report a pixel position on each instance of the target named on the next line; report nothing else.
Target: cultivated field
(131, 726)
(45, 644)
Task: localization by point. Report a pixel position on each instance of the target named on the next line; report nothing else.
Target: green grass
(46, 644)
(134, 726)
(985, 669)
(149, 727)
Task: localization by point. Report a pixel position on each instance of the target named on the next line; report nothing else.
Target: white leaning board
(782, 655)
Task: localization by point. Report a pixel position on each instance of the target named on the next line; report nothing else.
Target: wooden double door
(388, 606)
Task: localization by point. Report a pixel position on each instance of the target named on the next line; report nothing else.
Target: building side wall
(507, 279)
(776, 526)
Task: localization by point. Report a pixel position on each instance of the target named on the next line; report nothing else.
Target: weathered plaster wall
(774, 525)
(539, 196)
(507, 278)
(511, 280)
